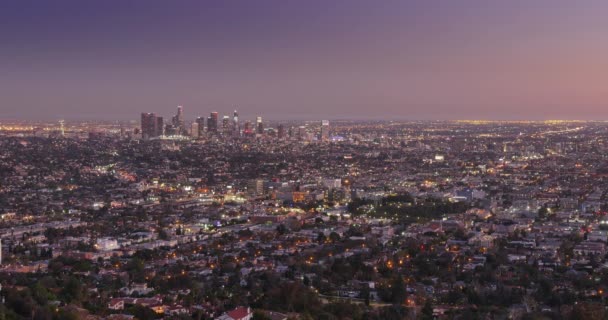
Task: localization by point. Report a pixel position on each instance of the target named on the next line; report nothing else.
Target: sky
(309, 59)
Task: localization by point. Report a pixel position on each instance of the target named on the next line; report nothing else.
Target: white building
(106, 244)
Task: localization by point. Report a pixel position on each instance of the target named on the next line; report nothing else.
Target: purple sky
(313, 59)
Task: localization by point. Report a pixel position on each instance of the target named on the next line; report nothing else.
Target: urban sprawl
(220, 218)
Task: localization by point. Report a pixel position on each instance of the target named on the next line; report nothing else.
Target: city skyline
(408, 60)
(300, 160)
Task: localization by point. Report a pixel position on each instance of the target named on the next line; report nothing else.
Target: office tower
(180, 114)
(148, 125)
(226, 125)
(201, 125)
(247, 128)
(255, 187)
(281, 131)
(209, 125)
(325, 130)
(235, 123)
(194, 131)
(302, 132)
(178, 121)
(259, 126)
(160, 126)
(212, 122)
(62, 127)
(170, 130)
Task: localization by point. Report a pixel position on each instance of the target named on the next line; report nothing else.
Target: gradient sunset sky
(313, 59)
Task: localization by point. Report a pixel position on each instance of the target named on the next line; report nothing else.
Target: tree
(320, 237)
(41, 294)
(365, 295)
(136, 269)
(141, 312)
(72, 290)
(42, 314)
(334, 237)
(398, 291)
(162, 234)
(588, 311)
(259, 315)
(281, 229)
(427, 310)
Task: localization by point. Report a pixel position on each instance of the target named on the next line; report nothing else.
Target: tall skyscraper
(235, 123)
(148, 125)
(212, 122)
(194, 131)
(62, 127)
(259, 126)
(325, 130)
(178, 121)
(247, 128)
(180, 113)
(281, 131)
(201, 125)
(226, 125)
(209, 125)
(160, 127)
(302, 133)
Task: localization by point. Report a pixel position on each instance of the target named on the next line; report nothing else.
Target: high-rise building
(247, 130)
(148, 125)
(259, 126)
(212, 122)
(170, 130)
(194, 131)
(62, 127)
(160, 126)
(325, 130)
(180, 113)
(281, 131)
(235, 123)
(209, 125)
(201, 125)
(226, 125)
(255, 187)
(302, 133)
(178, 121)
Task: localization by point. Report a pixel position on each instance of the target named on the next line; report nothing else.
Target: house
(589, 247)
(116, 304)
(239, 313)
(120, 317)
(176, 310)
(276, 315)
(137, 289)
(598, 235)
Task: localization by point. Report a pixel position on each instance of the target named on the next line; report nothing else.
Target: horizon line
(358, 119)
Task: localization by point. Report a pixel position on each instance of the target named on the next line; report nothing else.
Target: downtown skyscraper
(179, 124)
(212, 122)
(151, 125)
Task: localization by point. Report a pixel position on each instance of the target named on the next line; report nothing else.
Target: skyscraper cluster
(153, 126)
